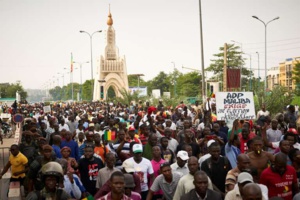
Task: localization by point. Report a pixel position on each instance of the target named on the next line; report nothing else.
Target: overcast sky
(38, 36)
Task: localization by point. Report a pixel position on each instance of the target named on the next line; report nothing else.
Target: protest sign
(235, 105)
(47, 109)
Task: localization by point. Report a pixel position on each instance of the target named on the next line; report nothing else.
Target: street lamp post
(250, 86)
(80, 64)
(241, 68)
(202, 54)
(258, 73)
(138, 76)
(265, 24)
(91, 44)
(174, 79)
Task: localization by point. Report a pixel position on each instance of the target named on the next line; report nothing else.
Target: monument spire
(109, 20)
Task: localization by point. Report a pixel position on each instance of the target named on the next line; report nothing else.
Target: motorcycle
(6, 130)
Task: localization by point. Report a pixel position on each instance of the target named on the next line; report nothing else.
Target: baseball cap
(128, 166)
(131, 128)
(129, 182)
(293, 130)
(183, 155)
(244, 177)
(137, 148)
(210, 142)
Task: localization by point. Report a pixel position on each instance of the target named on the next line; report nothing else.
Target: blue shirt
(57, 151)
(232, 153)
(73, 146)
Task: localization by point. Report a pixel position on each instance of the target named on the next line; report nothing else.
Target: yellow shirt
(18, 164)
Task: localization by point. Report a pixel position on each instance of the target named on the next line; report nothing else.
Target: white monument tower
(112, 71)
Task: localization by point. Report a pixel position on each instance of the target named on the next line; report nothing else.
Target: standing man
(167, 182)
(117, 188)
(280, 178)
(216, 167)
(88, 169)
(243, 165)
(142, 167)
(273, 134)
(105, 173)
(220, 137)
(180, 166)
(172, 144)
(259, 159)
(186, 184)
(18, 163)
(69, 142)
(201, 190)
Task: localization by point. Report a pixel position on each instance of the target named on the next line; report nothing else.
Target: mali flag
(109, 135)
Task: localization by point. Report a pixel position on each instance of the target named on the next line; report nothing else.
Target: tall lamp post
(80, 64)
(250, 86)
(202, 54)
(258, 70)
(91, 44)
(174, 79)
(265, 24)
(138, 76)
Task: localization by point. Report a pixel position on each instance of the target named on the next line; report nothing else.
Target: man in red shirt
(245, 136)
(280, 178)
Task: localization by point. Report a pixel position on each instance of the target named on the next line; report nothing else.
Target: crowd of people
(100, 150)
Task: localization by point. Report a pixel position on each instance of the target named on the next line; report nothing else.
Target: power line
(298, 38)
(278, 45)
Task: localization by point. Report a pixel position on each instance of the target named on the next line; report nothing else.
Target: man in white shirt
(142, 167)
(180, 166)
(262, 112)
(186, 183)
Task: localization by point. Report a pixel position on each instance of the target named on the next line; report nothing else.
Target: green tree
(235, 60)
(276, 100)
(189, 84)
(127, 97)
(9, 90)
(161, 81)
(87, 93)
(296, 77)
(133, 81)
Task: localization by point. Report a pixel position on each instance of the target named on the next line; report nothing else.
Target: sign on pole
(47, 109)
(235, 105)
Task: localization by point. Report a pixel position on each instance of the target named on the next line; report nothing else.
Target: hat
(183, 155)
(131, 128)
(244, 177)
(128, 166)
(91, 125)
(292, 130)
(137, 148)
(129, 182)
(210, 142)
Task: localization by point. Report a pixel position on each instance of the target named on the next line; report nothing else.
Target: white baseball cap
(128, 166)
(210, 142)
(183, 155)
(137, 148)
(244, 177)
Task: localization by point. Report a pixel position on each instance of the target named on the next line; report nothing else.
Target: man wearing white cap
(142, 167)
(206, 156)
(181, 164)
(243, 179)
